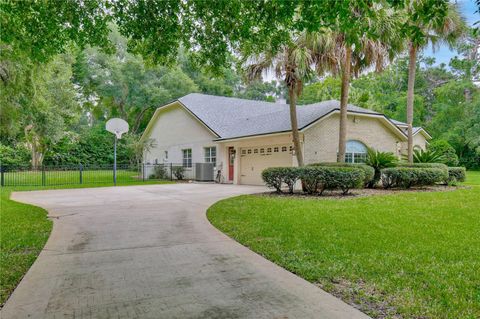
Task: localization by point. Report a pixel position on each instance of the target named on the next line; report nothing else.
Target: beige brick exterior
(321, 139)
(173, 128)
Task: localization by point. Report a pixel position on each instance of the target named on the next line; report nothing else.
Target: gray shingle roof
(233, 117)
(404, 127)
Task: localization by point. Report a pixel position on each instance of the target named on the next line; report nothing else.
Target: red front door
(231, 159)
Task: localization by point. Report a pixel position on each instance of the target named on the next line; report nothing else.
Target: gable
(378, 119)
(173, 124)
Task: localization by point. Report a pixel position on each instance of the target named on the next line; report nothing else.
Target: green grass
(412, 254)
(66, 177)
(24, 230)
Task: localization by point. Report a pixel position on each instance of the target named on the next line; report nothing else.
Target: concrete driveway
(149, 252)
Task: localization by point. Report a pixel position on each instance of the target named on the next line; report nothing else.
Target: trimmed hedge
(406, 177)
(456, 174)
(368, 170)
(424, 165)
(275, 177)
(316, 179)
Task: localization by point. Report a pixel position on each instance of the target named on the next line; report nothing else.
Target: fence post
(43, 175)
(143, 172)
(2, 178)
(171, 171)
(80, 169)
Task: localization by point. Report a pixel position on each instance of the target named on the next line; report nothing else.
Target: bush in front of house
(456, 174)
(367, 170)
(179, 172)
(441, 166)
(317, 179)
(159, 172)
(406, 177)
(275, 177)
(379, 160)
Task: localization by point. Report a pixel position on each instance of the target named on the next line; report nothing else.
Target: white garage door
(253, 160)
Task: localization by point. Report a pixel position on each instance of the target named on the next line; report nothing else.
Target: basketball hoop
(118, 127)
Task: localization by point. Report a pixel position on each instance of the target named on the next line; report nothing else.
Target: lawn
(24, 230)
(68, 176)
(407, 255)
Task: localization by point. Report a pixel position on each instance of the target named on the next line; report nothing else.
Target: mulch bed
(363, 192)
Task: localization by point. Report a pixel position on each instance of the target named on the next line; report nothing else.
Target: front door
(231, 160)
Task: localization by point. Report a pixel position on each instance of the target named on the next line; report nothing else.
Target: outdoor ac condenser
(204, 172)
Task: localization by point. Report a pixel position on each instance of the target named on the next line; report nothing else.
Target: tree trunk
(411, 86)
(293, 119)
(342, 136)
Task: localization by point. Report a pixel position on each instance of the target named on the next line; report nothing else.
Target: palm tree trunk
(293, 119)
(342, 137)
(411, 85)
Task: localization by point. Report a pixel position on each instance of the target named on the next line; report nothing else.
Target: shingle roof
(404, 127)
(232, 117)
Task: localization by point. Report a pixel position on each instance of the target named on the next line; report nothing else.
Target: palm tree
(293, 64)
(374, 49)
(426, 24)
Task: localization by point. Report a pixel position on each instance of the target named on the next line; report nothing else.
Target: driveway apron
(149, 252)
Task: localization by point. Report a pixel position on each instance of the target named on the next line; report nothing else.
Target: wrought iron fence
(93, 174)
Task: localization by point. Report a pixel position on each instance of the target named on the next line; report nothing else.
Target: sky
(444, 54)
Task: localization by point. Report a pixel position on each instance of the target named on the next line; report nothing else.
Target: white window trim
(186, 158)
(209, 156)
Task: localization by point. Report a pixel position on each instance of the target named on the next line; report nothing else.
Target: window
(187, 157)
(262, 150)
(244, 152)
(275, 149)
(210, 154)
(249, 151)
(356, 152)
(284, 148)
(269, 150)
(255, 151)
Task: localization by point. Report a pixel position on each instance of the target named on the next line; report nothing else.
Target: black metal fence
(93, 174)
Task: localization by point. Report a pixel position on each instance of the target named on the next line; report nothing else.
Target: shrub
(456, 174)
(450, 157)
(379, 160)
(317, 179)
(275, 177)
(159, 172)
(179, 172)
(427, 156)
(14, 157)
(406, 177)
(367, 170)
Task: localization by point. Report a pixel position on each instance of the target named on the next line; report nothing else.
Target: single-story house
(243, 137)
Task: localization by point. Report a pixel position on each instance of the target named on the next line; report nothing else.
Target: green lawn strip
(413, 254)
(24, 230)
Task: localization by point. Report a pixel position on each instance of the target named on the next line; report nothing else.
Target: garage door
(253, 160)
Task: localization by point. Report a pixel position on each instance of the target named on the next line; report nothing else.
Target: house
(243, 137)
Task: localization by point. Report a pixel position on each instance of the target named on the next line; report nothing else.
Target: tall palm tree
(370, 50)
(424, 24)
(293, 64)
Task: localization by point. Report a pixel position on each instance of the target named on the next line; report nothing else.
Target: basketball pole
(115, 162)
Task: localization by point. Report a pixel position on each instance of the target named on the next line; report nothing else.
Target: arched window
(356, 152)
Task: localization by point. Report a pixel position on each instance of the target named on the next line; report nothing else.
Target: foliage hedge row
(316, 179)
(456, 174)
(406, 177)
(367, 170)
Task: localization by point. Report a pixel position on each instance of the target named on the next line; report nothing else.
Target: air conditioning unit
(204, 172)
